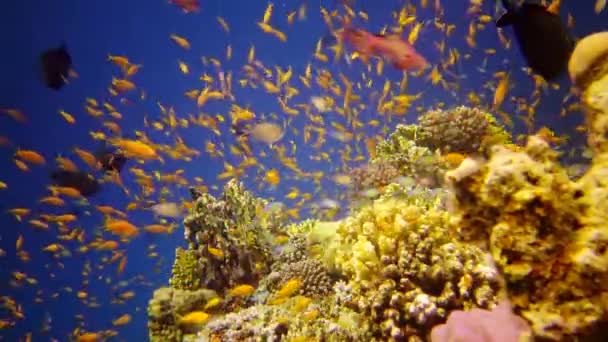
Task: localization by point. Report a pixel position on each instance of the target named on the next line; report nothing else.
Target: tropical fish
(56, 64)
(266, 132)
(167, 209)
(392, 48)
(82, 181)
(543, 38)
(187, 5)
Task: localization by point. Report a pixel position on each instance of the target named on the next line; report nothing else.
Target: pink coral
(497, 325)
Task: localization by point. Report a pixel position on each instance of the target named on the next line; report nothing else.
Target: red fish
(187, 5)
(393, 48)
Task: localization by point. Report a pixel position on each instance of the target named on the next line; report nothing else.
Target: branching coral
(406, 272)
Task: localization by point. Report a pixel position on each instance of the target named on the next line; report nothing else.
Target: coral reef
(588, 68)
(316, 321)
(229, 239)
(165, 308)
(460, 129)
(402, 151)
(405, 271)
(373, 175)
(186, 272)
(411, 264)
(547, 234)
(295, 262)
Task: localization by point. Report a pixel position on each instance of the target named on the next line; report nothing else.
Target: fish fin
(505, 20)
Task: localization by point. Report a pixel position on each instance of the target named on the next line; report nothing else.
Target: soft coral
(477, 325)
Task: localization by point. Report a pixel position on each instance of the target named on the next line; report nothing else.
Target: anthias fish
(392, 48)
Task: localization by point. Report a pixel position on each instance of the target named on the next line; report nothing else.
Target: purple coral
(497, 325)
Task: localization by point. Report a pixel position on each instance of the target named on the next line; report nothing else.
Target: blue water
(140, 30)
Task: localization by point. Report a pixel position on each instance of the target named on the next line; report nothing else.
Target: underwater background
(60, 294)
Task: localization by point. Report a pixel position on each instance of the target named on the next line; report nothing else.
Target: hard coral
(406, 272)
(294, 262)
(461, 129)
(545, 232)
(373, 175)
(402, 150)
(319, 321)
(186, 272)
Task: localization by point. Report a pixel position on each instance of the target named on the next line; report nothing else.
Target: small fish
(393, 48)
(194, 318)
(122, 320)
(167, 209)
(187, 6)
(543, 38)
(56, 64)
(273, 177)
(181, 41)
(342, 179)
(30, 156)
(266, 132)
(241, 291)
(320, 104)
(327, 203)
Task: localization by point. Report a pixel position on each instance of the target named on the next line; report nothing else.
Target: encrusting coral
(538, 225)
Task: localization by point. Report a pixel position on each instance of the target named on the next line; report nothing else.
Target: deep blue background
(140, 30)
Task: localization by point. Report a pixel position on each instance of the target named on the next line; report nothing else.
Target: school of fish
(323, 119)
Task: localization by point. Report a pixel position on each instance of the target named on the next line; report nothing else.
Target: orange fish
(393, 48)
(122, 228)
(187, 6)
(30, 157)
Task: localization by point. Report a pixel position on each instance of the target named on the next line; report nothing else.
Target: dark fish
(56, 64)
(543, 39)
(111, 159)
(84, 182)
